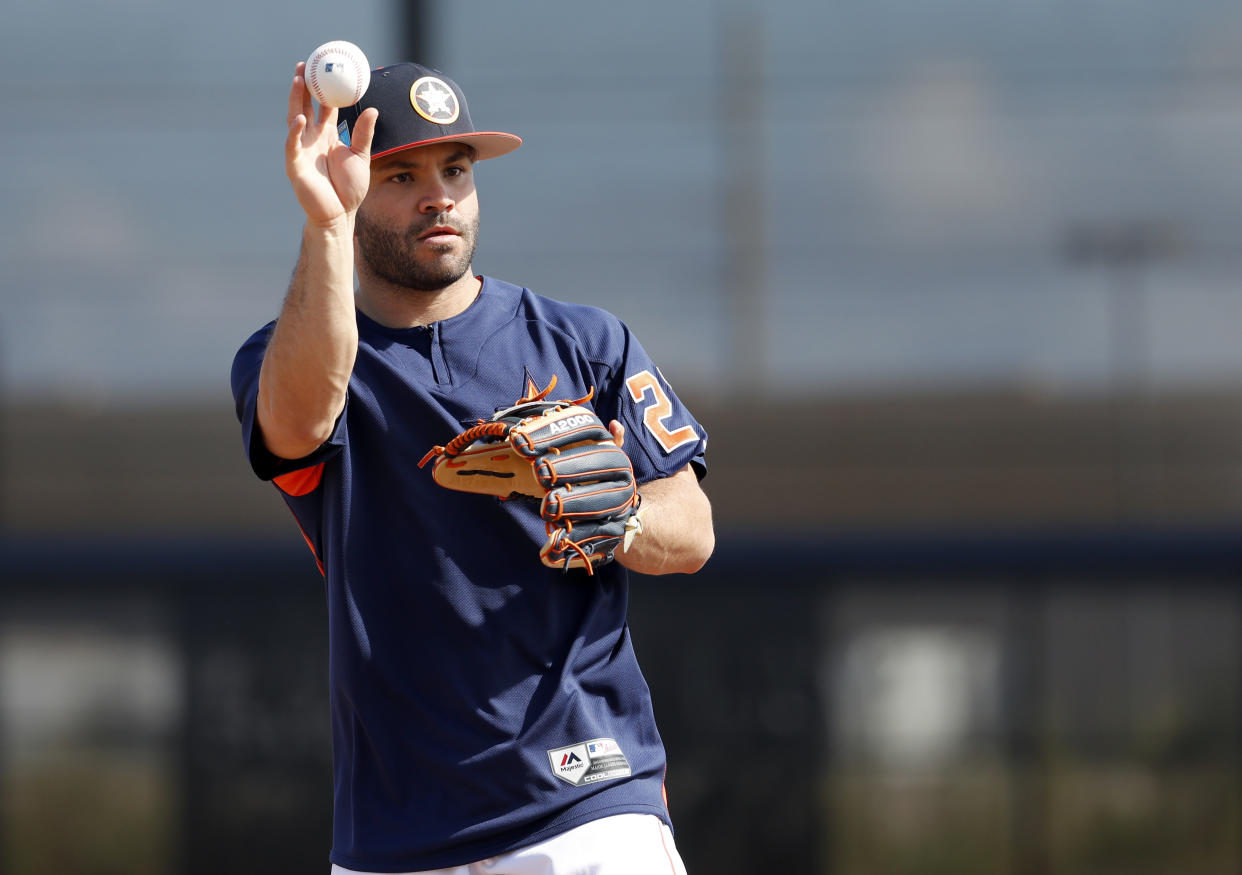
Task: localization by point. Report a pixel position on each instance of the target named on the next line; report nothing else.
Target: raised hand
(329, 178)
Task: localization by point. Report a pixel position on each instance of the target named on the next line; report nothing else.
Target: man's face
(419, 224)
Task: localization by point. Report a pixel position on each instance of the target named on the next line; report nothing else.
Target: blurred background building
(978, 262)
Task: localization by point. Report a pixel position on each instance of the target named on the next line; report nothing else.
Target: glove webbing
(466, 438)
(497, 430)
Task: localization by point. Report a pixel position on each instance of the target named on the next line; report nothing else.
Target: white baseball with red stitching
(337, 74)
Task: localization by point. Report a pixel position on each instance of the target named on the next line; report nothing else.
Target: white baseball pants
(624, 844)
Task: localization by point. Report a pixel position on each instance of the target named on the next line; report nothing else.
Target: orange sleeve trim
(302, 482)
(319, 563)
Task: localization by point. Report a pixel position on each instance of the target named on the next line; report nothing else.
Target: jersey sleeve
(661, 435)
(245, 382)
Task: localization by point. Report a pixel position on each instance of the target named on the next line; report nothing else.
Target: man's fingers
(295, 99)
(327, 118)
(364, 132)
(299, 94)
(293, 142)
(618, 432)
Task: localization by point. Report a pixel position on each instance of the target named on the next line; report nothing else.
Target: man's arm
(677, 535)
(306, 369)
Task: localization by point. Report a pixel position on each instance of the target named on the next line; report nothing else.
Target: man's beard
(389, 254)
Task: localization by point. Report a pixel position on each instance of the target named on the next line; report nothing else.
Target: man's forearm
(677, 535)
(310, 357)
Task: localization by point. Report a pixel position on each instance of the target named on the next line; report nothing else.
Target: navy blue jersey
(480, 700)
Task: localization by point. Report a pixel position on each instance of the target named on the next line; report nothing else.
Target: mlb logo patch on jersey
(590, 761)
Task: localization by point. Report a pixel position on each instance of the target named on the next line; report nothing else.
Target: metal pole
(1127, 250)
(739, 107)
(416, 23)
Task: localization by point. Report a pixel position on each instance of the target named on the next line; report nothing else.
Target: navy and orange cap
(419, 106)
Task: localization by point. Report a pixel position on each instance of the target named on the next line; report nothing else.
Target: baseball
(337, 74)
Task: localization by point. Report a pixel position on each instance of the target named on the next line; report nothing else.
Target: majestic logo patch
(588, 762)
(434, 100)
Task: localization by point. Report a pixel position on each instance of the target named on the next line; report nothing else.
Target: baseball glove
(561, 454)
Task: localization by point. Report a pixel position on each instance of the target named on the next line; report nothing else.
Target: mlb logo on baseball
(337, 74)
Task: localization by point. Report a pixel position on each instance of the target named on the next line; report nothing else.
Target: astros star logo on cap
(434, 100)
(420, 105)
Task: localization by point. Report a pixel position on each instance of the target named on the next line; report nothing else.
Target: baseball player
(488, 712)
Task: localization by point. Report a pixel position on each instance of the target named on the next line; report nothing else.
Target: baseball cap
(417, 106)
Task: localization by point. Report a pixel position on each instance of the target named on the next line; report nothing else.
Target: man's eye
(401, 177)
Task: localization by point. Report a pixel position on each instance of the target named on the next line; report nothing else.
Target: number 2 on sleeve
(658, 409)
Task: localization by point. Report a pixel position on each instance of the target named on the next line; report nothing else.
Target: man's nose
(435, 200)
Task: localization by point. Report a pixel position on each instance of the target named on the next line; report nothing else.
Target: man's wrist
(337, 227)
